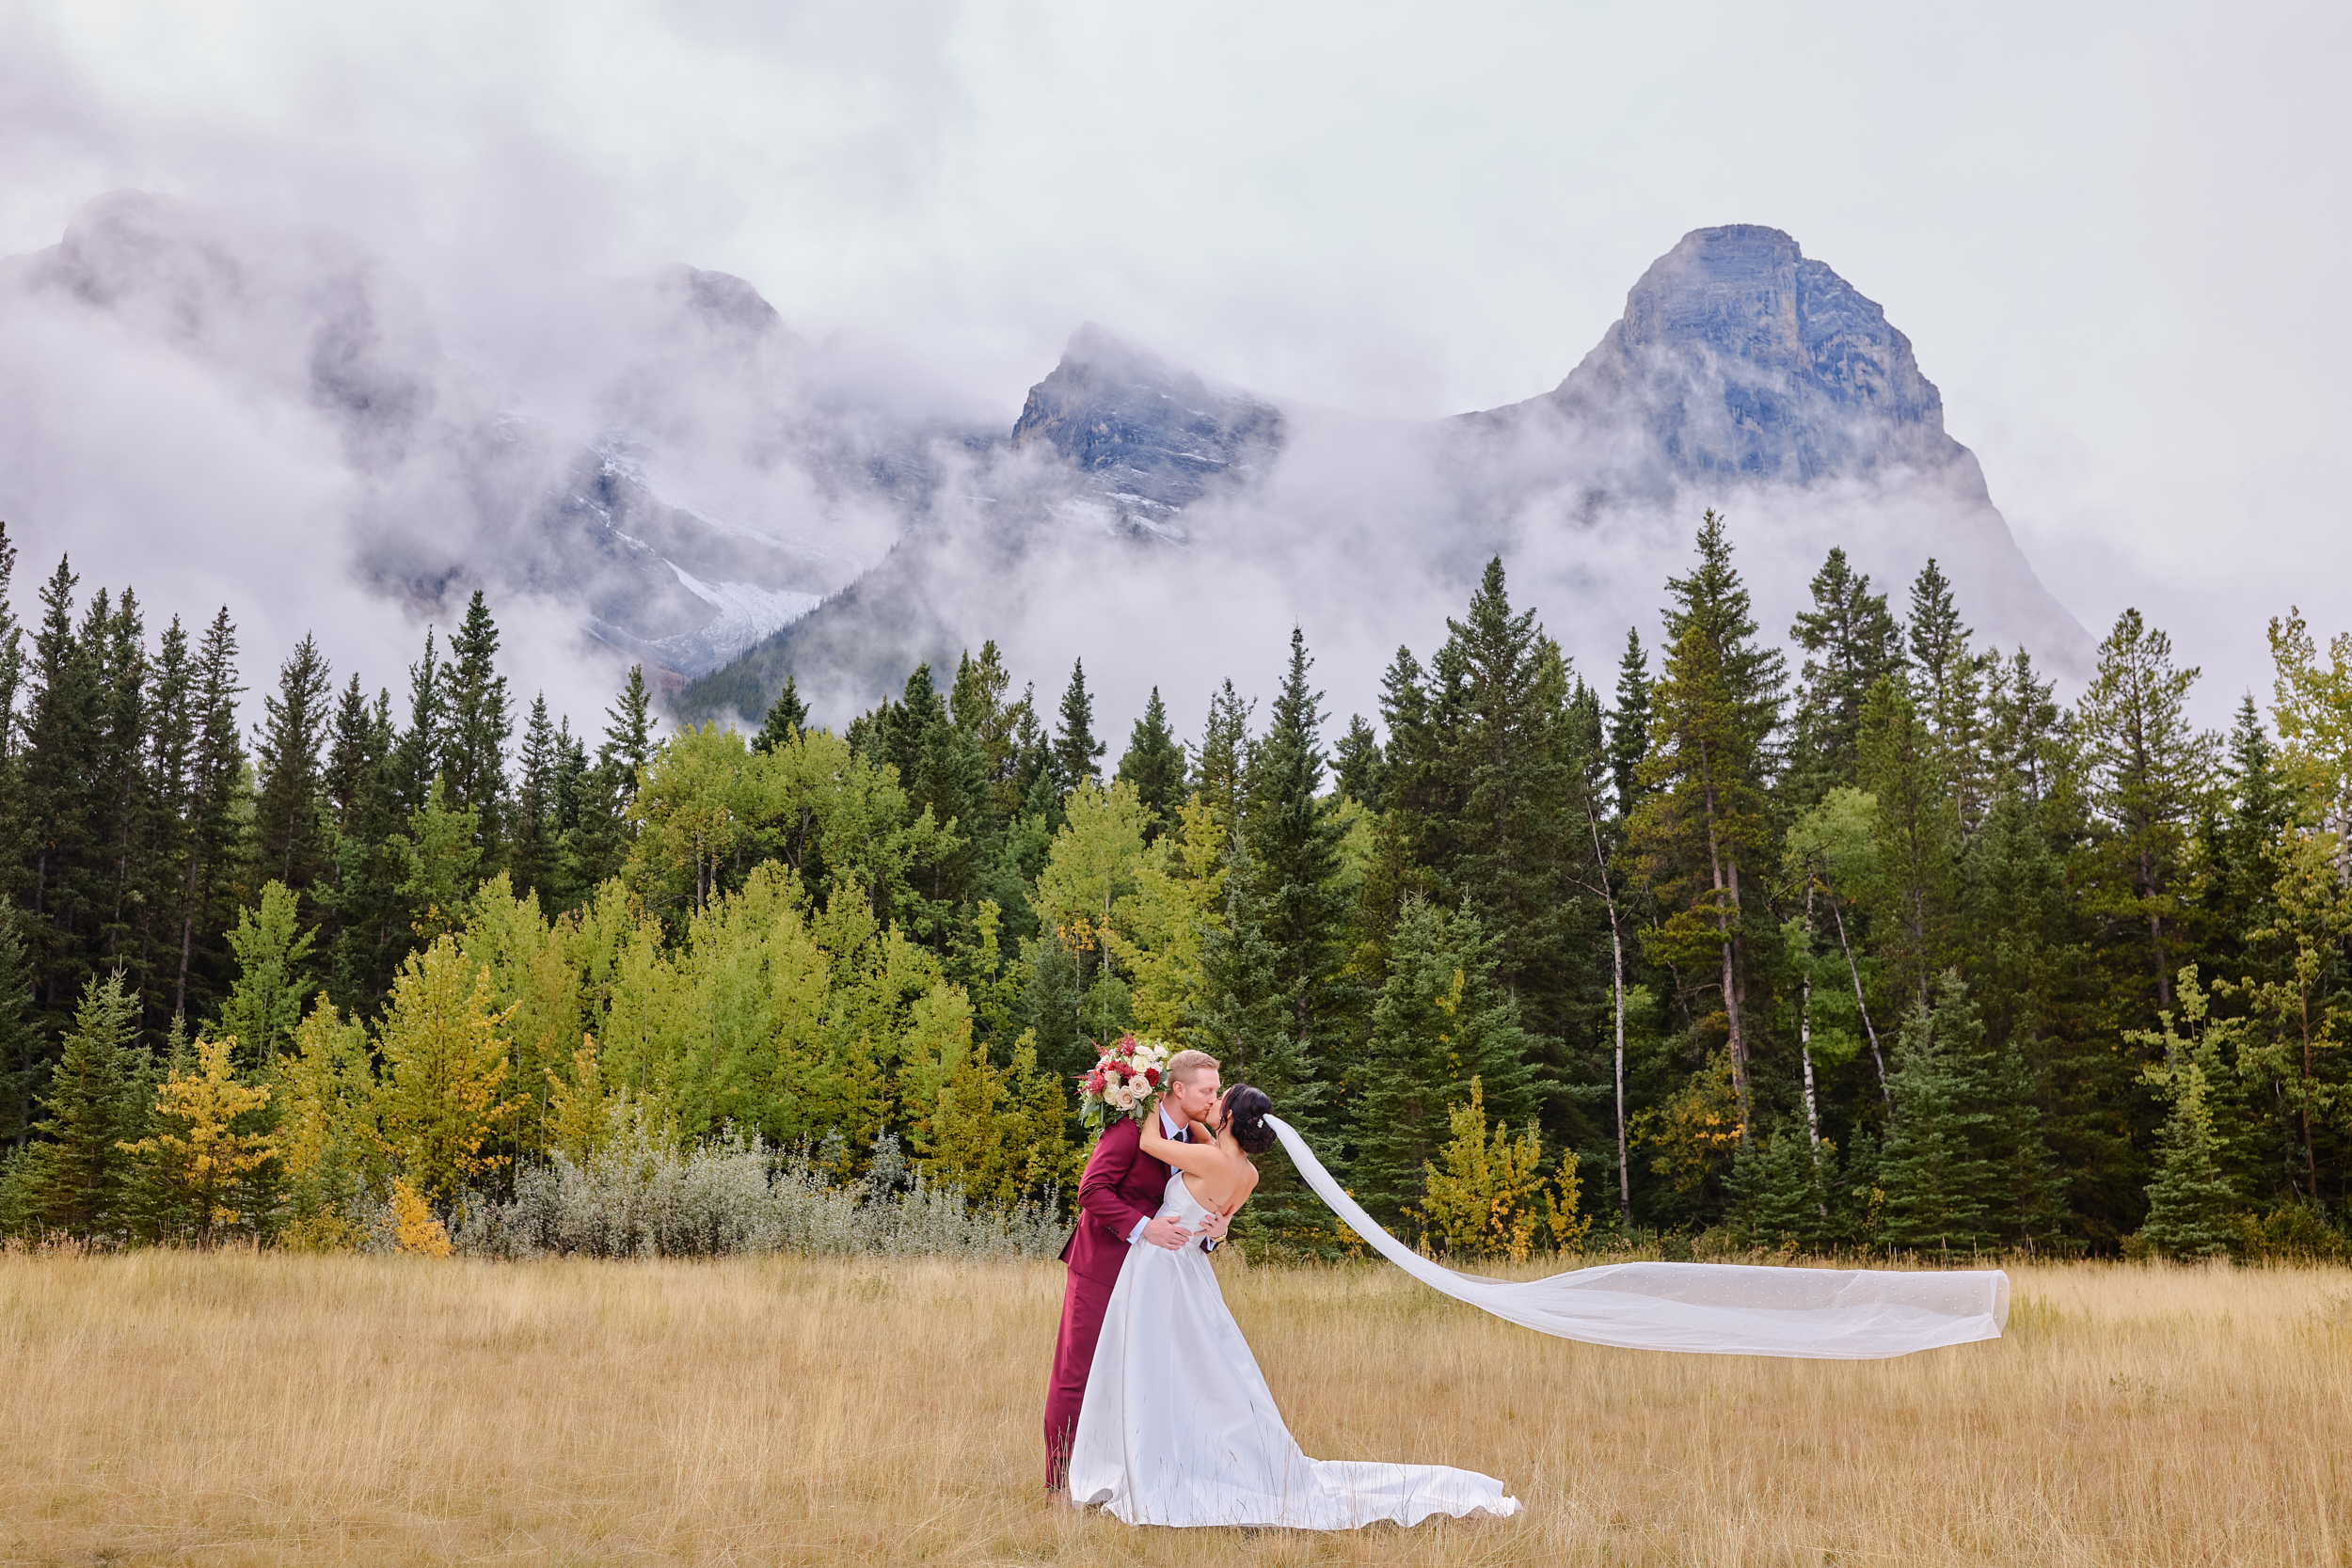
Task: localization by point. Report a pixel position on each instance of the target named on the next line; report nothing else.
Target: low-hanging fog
(2101, 230)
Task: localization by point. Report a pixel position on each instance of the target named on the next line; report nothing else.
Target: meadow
(233, 1407)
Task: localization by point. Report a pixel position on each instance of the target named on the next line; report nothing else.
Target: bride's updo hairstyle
(1245, 1110)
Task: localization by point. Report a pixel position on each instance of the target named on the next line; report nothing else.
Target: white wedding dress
(1179, 1427)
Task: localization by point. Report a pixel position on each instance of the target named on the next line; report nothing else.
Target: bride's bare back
(1217, 1174)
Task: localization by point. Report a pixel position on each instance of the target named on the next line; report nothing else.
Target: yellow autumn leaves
(201, 1157)
(1488, 1198)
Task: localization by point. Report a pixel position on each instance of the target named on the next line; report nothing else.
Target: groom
(1118, 1202)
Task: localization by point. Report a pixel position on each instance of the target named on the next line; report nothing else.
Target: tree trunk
(1804, 1028)
(1616, 985)
(1716, 861)
(1864, 1008)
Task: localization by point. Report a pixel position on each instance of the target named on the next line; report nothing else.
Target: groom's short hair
(1186, 1065)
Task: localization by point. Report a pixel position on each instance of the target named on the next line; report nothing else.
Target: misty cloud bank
(1170, 532)
(213, 408)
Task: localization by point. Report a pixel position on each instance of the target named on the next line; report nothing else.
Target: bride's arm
(1193, 1159)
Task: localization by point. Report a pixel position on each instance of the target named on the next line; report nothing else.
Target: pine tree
(1629, 724)
(1937, 1187)
(96, 1102)
(943, 773)
(1154, 763)
(1962, 1166)
(2190, 1203)
(171, 765)
(199, 1161)
(628, 730)
(600, 846)
(2242, 823)
(1949, 679)
(976, 703)
(1490, 761)
(1037, 813)
(419, 755)
(536, 835)
(12, 675)
(358, 751)
(119, 790)
(1440, 1021)
(1238, 1016)
(1715, 711)
(787, 715)
(1294, 837)
(1780, 1188)
(1851, 644)
(2022, 736)
(1917, 837)
(60, 733)
(366, 929)
(1223, 763)
(215, 829)
(289, 837)
(2149, 772)
(1360, 765)
(1075, 750)
(21, 1064)
(481, 721)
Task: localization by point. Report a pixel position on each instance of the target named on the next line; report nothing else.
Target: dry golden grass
(172, 1407)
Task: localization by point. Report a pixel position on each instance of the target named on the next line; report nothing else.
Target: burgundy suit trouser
(1083, 1303)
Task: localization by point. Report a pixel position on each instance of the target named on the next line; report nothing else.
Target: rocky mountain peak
(1152, 436)
(1747, 358)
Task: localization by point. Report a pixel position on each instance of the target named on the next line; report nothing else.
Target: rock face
(1742, 375)
(1148, 437)
(1739, 358)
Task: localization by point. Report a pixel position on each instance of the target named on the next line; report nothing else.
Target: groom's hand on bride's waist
(1165, 1231)
(1213, 1231)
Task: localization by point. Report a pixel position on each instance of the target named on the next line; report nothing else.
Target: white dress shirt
(1174, 1134)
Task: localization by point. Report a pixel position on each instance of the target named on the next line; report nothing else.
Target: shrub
(2291, 1233)
(639, 1196)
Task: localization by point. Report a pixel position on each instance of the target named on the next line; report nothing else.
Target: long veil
(1717, 1309)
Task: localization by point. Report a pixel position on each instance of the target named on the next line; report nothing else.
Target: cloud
(2099, 224)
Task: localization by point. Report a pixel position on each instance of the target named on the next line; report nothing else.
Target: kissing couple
(1157, 1412)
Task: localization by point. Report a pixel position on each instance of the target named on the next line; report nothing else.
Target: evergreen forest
(1844, 937)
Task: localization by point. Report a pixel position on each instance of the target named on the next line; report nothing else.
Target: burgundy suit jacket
(1122, 1187)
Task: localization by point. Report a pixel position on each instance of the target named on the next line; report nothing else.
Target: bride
(1178, 1426)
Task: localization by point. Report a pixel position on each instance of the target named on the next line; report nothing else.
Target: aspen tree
(445, 1062)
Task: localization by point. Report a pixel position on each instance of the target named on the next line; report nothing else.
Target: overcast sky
(2115, 233)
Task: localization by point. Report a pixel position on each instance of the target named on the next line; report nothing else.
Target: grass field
(185, 1408)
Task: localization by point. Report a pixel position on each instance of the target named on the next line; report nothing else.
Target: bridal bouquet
(1125, 1083)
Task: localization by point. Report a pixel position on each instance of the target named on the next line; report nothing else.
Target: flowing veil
(1715, 1308)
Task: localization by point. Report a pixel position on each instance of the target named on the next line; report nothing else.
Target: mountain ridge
(1741, 369)
(660, 469)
